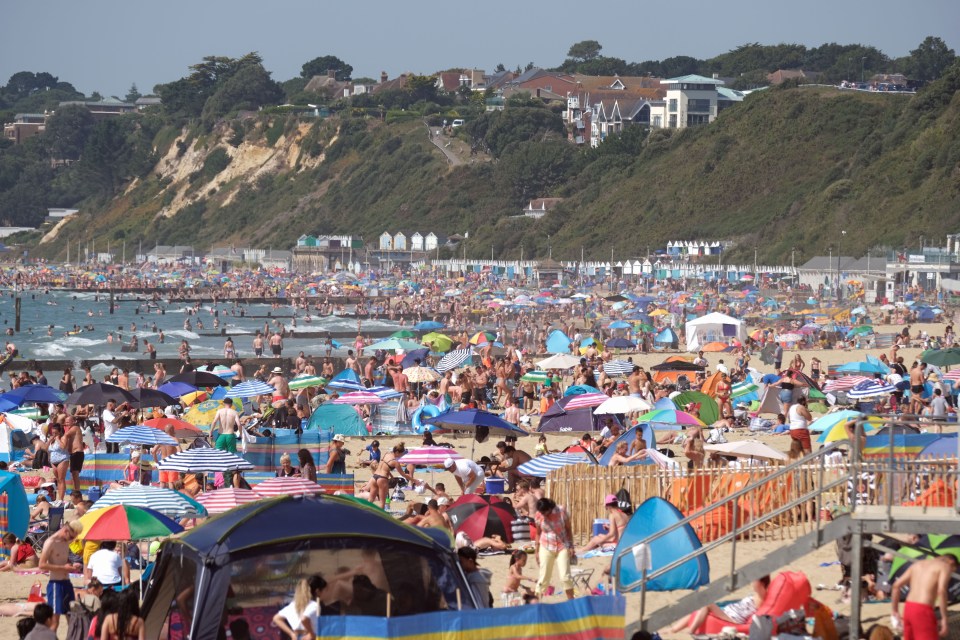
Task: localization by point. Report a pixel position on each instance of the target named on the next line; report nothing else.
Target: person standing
(163, 451)
(554, 545)
(53, 558)
(109, 418)
(468, 473)
(336, 462)
(276, 344)
(228, 420)
(928, 581)
(799, 418)
(74, 440)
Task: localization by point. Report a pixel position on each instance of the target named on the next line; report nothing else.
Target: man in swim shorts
(53, 558)
(928, 581)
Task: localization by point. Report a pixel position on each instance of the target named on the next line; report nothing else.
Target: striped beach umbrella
(359, 397)
(302, 382)
(204, 460)
(454, 360)
(540, 466)
(539, 377)
(586, 400)
(618, 367)
(742, 389)
(225, 499)
(871, 389)
(421, 374)
(166, 501)
(126, 522)
(139, 434)
(250, 389)
(275, 487)
(429, 456)
(845, 383)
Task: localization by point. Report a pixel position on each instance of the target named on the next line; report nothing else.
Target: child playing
(512, 595)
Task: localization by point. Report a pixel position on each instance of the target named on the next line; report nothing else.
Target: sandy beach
(818, 565)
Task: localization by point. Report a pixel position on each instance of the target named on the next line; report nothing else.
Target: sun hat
(277, 370)
(339, 438)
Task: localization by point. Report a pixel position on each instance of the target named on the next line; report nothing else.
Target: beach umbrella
(454, 360)
(480, 516)
(577, 389)
(126, 522)
(292, 486)
(250, 389)
(475, 419)
(225, 499)
(482, 336)
(585, 400)
(421, 374)
(176, 389)
(403, 333)
(928, 546)
(941, 357)
(538, 377)
(622, 405)
(359, 397)
(715, 347)
(862, 367)
(305, 381)
(181, 428)
(743, 388)
(559, 361)
(945, 447)
(428, 325)
(139, 434)
(394, 345)
(221, 371)
(204, 460)
(665, 419)
(861, 330)
(202, 414)
(618, 367)
(619, 324)
(871, 389)
(540, 466)
(99, 393)
(152, 398)
(34, 393)
(429, 456)
(199, 379)
(845, 383)
(166, 501)
(709, 409)
(620, 343)
(439, 341)
(746, 449)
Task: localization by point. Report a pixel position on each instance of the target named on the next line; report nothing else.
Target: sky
(106, 45)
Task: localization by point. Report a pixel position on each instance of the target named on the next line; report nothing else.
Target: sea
(62, 325)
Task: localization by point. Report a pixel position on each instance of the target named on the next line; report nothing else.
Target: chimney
(332, 74)
(383, 77)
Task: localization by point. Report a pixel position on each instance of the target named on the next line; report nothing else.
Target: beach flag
(599, 617)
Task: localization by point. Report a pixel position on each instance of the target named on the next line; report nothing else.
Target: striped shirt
(553, 529)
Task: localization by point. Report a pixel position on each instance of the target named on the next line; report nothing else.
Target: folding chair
(54, 522)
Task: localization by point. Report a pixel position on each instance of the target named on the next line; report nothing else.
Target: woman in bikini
(384, 471)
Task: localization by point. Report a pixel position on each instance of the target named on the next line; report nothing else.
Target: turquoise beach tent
(629, 436)
(654, 515)
(340, 418)
(14, 510)
(558, 342)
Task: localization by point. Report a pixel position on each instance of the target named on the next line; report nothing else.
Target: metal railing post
(733, 549)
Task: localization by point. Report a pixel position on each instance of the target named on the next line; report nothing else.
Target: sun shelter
(245, 564)
(339, 418)
(14, 510)
(714, 327)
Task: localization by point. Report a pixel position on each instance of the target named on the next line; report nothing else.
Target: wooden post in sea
(111, 299)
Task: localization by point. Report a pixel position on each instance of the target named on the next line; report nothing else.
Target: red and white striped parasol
(225, 499)
(586, 400)
(275, 487)
(359, 397)
(428, 456)
(845, 383)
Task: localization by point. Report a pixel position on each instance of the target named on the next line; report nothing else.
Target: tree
(320, 66)
(67, 132)
(249, 88)
(499, 68)
(132, 95)
(929, 60)
(585, 50)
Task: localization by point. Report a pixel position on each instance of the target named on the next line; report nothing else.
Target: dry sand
(14, 588)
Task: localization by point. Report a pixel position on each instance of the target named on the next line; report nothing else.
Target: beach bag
(79, 621)
(624, 502)
(761, 628)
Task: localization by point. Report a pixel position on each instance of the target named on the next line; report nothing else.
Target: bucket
(600, 526)
(495, 486)
(94, 493)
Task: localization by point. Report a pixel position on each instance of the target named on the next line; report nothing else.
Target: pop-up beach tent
(714, 327)
(245, 564)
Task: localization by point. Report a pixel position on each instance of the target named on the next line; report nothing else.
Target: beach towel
(597, 553)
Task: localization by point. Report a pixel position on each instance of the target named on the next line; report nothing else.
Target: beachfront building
(24, 126)
(321, 253)
(405, 247)
(105, 108)
(824, 272)
(539, 207)
(690, 100)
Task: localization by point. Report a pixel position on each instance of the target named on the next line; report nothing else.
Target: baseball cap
(339, 438)
(447, 463)
(610, 499)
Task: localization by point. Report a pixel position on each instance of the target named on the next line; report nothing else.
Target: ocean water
(47, 318)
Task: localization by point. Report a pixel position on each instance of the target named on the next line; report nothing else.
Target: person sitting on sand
(620, 456)
(739, 612)
(21, 555)
(513, 589)
(618, 521)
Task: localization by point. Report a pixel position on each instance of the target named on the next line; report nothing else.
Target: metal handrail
(738, 530)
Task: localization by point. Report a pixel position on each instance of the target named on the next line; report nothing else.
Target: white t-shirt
(109, 423)
(289, 614)
(106, 565)
(463, 467)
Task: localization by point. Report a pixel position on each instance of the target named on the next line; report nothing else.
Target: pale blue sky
(105, 45)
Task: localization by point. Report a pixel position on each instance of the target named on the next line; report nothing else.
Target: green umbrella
(302, 382)
(540, 377)
(403, 333)
(928, 546)
(941, 357)
(646, 328)
(440, 342)
(860, 331)
(709, 410)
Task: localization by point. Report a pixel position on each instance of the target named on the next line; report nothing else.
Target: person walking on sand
(928, 581)
(74, 440)
(54, 558)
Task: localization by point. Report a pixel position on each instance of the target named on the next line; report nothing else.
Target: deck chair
(54, 522)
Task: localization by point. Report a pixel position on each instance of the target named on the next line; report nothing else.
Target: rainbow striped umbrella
(663, 417)
(126, 522)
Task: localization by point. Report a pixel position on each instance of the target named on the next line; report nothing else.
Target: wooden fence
(581, 489)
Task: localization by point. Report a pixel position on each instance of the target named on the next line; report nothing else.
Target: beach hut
(255, 554)
(714, 327)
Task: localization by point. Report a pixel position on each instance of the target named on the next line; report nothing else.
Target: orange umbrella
(714, 347)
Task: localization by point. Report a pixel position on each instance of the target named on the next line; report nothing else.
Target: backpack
(624, 501)
(79, 621)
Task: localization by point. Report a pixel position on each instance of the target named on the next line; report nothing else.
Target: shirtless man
(916, 388)
(237, 368)
(928, 581)
(73, 437)
(523, 499)
(228, 420)
(351, 362)
(634, 382)
(258, 345)
(434, 518)
(53, 558)
(163, 451)
(618, 521)
(276, 344)
(278, 382)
